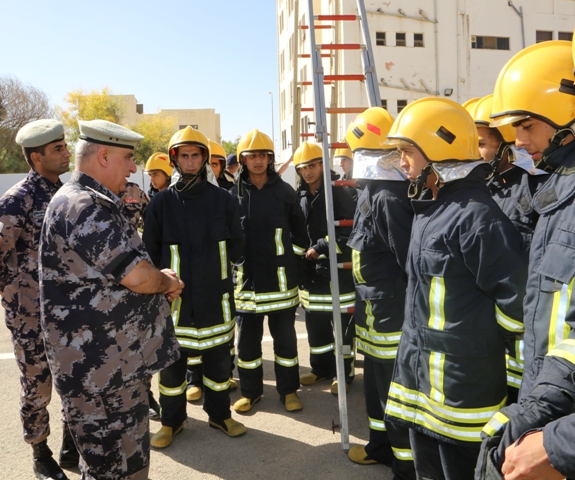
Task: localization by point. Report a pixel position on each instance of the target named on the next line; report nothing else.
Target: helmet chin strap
(555, 143)
(417, 186)
(189, 180)
(496, 160)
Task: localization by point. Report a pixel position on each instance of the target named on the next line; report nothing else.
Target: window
(380, 38)
(384, 104)
(282, 65)
(195, 127)
(418, 40)
(401, 104)
(565, 36)
(400, 39)
(489, 43)
(543, 36)
(284, 140)
(282, 22)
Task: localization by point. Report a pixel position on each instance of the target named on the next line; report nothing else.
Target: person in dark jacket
(380, 240)
(316, 294)
(266, 277)
(466, 280)
(224, 178)
(534, 93)
(513, 183)
(193, 228)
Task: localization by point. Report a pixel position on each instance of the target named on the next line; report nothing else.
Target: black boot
(69, 456)
(45, 467)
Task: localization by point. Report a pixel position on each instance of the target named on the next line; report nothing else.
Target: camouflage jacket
(134, 204)
(22, 211)
(99, 335)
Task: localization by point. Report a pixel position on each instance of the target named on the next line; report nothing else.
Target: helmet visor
(377, 165)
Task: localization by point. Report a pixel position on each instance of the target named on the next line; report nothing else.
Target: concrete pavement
(278, 444)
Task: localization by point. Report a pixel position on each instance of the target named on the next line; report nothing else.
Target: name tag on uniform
(131, 200)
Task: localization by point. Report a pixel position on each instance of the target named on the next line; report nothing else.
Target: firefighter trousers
(319, 326)
(250, 364)
(388, 442)
(216, 379)
(438, 460)
(196, 370)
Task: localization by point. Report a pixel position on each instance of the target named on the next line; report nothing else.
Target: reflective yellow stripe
(298, 250)
(286, 362)
(424, 419)
(323, 349)
(216, 387)
(223, 259)
(507, 322)
(436, 301)
(558, 328)
(279, 244)
(452, 414)
(495, 424)
(172, 392)
(194, 361)
(197, 344)
(356, 263)
(226, 327)
(377, 424)
(226, 309)
(404, 454)
(565, 350)
(380, 338)
(239, 279)
(251, 365)
(175, 266)
(323, 303)
(369, 317)
(282, 279)
(436, 364)
(337, 249)
(384, 353)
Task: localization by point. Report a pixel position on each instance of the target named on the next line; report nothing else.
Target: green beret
(39, 133)
(108, 133)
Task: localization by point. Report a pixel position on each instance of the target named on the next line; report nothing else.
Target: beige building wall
(446, 48)
(205, 119)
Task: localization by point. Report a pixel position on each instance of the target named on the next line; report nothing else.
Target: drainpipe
(520, 13)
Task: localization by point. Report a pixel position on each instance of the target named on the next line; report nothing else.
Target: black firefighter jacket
(466, 279)
(549, 305)
(198, 235)
(380, 240)
(266, 277)
(316, 292)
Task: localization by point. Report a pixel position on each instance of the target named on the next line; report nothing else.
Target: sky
(219, 54)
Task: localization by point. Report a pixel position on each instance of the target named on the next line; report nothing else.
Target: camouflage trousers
(111, 432)
(35, 376)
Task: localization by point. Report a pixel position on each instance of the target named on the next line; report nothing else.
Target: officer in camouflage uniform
(105, 317)
(134, 204)
(22, 210)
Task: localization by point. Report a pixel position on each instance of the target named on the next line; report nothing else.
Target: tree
(157, 131)
(231, 146)
(96, 104)
(19, 104)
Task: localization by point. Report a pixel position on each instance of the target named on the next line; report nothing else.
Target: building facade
(448, 48)
(204, 119)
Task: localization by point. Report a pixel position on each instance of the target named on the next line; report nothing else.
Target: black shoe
(69, 456)
(45, 467)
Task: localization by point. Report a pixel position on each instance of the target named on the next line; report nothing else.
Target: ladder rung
(339, 46)
(336, 17)
(346, 110)
(317, 27)
(307, 55)
(337, 78)
(345, 265)
(307, 109)
(307, 134)
(335, 145)
(344, 183)
(343, 223)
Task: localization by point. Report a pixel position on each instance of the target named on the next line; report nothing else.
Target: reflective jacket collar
(557, 190)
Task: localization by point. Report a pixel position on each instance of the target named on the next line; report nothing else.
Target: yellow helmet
(537, 82)
(440, 128)
(306, 153)
(467, 104)
(188, 136)
(255, 141)
(159, 161)
(481, 109)
(216, 150)
(369, 129)
(343, 152)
